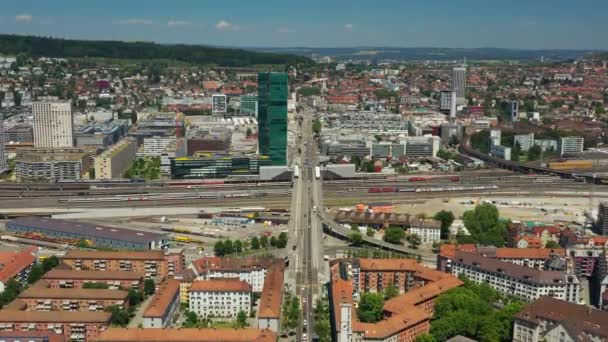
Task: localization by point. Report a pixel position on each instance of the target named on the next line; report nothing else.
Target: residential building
(51, 165)
(16, 265)
(74, 325)
(113, 162)
(272, 116)
(185, 281)
(163, 306)
(3, 159)
(501, 152)
(219, 103)
(429, 231)
(525, 141)
(60, 278)
(152, 264)
(251, 270)
(269, 309)
(459, 80)
(100, 135)
(205, 165)
(249, 105)
(602, 218)
(552, 320)
(220, 297)
(39, 297)
(97, 235)
(31, 336)
(186, 334)
(404, 317)
(53, 124)
(523, 282)
(570, 145)
(495, 137)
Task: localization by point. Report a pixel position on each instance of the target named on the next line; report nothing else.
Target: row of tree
(195, 54)
(228, 247)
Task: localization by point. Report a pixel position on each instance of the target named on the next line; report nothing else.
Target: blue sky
(530, 24)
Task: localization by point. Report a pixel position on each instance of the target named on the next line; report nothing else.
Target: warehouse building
(117, 238)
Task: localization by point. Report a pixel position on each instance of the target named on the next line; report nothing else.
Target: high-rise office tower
(602, 219)
(3, 163)
(53, 124)
(459, 80)
(272, 116)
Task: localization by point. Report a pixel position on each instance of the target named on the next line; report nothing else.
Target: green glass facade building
(249, 104)
(272, 116)
(216, 166)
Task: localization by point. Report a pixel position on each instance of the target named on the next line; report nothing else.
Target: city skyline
(471, 24)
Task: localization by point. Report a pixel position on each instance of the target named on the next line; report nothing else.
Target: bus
(296, 171)
(317, 172)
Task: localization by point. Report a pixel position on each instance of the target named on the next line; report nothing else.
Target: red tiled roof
(186, 335)
(167, 290)
(12, 264)
(270, 301)
(528, 253)
(220, 285)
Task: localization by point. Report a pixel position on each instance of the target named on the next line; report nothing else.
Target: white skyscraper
(459, 79)
(3, 163)
(53, 124)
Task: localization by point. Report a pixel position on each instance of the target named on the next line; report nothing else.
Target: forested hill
(198, 54)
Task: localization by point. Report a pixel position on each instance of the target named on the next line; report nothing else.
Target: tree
(394, 235)
(446, 218)
(36, 272)
(425, 338)
(241, 319)
(249, 132)
(135, 297)
(370, 232)
(282, 243)
(228, 247)
(264, 241)
(356, 239)
(255, 243)
(534, 152)
(552, 244)
(391, 291)
(316, 126)
(149, 287)
(414, 240)
(49, 263)
(218, 248)
(484, 226)
(516, 151)
(238, 246)
(273, 241)
(119, 316)
(370, 307)
(354, 227)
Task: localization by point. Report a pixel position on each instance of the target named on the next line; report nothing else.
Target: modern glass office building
(249, 105)
(272, 116)
(207, 165)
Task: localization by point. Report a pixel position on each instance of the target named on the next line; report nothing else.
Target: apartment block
(113, 162)
(220, 297)
(75, 326)
(186, 334)
(42, 298)
(159, 313)
(60, 278)
(150, 264)
(523, 282)
(251, 270)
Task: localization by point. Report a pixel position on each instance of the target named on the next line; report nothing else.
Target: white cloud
(178, 23)
(349, 27)
(285, 30)
(136, 21)
(224, 25)
(23, 18)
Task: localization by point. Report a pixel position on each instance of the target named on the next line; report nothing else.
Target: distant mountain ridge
(196, 54)
(429, 53)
